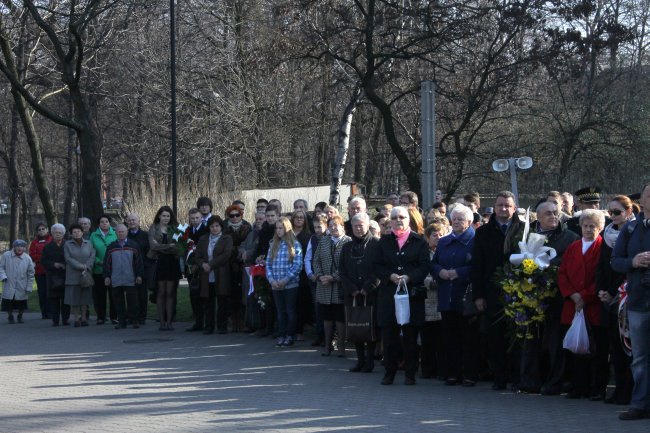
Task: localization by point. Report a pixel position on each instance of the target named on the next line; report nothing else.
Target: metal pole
(512, 162)
(172, 48)
(428, 166)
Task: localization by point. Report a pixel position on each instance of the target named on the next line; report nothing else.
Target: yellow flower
(529, 266)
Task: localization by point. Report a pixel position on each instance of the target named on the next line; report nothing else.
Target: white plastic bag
(402, 308)
(576, 339)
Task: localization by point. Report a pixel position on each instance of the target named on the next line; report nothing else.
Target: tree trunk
(344, 144)
(14, 182)
(410, 170)
(30, 131)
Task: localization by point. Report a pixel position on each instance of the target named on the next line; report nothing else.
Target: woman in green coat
(100, 240)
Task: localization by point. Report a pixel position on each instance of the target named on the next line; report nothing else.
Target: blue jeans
(286, 306)
(640, 335)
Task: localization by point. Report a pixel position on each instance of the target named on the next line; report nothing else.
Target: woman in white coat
(17, 276)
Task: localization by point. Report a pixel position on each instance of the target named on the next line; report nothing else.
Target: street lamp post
(522, 163)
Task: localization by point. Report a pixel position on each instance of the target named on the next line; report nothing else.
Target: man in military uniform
(588, 198)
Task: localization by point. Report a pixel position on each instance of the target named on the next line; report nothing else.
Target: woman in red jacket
(577, 282)
(43, 238)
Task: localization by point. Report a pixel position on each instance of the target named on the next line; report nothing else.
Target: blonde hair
(289, 238)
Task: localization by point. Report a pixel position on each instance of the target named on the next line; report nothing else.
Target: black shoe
(84, 323)
(498, 386)
(597, 397)
(136, 325)
(66, 323)
(451, 382)
(100, 321)
(77, 323)
(55, 324)
(409, 381)
(368, 367)
(317, 342)
(357, 368)
(208, 331)
(573, 395)
(388, 379)
(194, 328)
(634, 414)
(20, 318)
(468, 383)
(222, 331)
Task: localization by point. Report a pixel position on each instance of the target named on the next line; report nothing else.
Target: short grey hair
(593, 214)
(362, 216)
(57, 226)
(463, 211)
(398, 210)
(304, 202)
(544, 205)
(121, 225)
(359, 200)
(84, 219)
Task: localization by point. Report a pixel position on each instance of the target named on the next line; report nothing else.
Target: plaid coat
(280, 267)
(326, 262)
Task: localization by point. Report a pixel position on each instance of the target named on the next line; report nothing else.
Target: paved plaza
(98, 379)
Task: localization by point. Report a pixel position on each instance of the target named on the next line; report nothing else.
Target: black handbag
(360, 322)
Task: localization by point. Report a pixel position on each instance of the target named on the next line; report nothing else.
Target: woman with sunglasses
(402, 256)
(238, 229)
(620, 210)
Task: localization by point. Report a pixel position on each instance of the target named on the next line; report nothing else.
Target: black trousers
(498, 348)
(394, 344)
(460, 341)
(197, 306)
(529, 370)
(41, 285)
(554, 336)
(129, 312)
(589, 374)
(100, 293)
(58, 309)
(223, 312)
(621, 362)
(431, 350)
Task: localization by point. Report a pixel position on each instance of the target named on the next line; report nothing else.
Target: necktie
(504, 228)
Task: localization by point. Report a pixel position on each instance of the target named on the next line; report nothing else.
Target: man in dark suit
(493, 244)
(194, 232)
(141, 237)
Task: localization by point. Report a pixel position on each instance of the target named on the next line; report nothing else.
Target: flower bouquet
(528, 282)
(260, 287)
(183, 242)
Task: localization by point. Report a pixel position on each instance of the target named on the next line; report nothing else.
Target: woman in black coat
(359, 282)
(53, 260)
(401, 255)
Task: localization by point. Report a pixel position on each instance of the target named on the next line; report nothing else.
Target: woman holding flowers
(283, 265)
(168, 270)
(451, 266)
(577, 283)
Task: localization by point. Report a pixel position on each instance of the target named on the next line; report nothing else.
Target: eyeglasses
(615, 212)
(234, 215)
(399, 217)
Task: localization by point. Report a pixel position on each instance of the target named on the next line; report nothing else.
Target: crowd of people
(286, 271)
